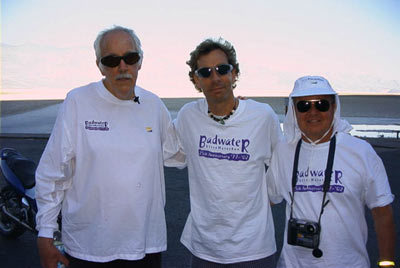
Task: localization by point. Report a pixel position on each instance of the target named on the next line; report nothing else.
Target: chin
(125, 86)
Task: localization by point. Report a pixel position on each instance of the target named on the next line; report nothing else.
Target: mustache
(123, 76)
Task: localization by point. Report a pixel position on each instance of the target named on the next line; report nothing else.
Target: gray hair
(103, 33)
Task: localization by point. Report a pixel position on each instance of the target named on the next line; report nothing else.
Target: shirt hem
(230, 260)
(130, 257)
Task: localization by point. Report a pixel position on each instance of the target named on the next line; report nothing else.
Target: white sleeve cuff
(46, 232)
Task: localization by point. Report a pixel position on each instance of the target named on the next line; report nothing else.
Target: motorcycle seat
(22, 167)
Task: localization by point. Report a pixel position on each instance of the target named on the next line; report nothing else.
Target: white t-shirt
(104, 162)
(358, 179)
(230, 219)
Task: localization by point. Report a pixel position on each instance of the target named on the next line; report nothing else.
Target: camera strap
(328, 174)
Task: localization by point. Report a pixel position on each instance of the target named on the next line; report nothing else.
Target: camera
(303, 233)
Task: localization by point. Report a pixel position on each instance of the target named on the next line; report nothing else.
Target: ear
(292, 105)
(197, 83)
(234, 74)
(234, 78)
(100, 67)
(140, 62)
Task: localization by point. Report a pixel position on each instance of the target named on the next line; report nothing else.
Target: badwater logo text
(312, 181)
(231, 149)
(96, 125)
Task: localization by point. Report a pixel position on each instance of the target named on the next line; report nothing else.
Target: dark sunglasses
(305, 105)
(222, 69)
(113, 61)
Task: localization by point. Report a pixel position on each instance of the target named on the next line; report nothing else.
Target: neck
(324, 138)
(223, 108)
(122, 94)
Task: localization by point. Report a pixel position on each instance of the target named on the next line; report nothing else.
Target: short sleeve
(377, 190)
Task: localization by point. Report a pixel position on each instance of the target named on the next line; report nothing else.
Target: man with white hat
(327, 177)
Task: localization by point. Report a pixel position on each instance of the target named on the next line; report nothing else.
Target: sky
(47, 45)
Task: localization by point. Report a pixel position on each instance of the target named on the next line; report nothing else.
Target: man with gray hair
(103, 167)
(327, 177)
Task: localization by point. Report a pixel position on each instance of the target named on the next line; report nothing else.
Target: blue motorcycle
(17, 197)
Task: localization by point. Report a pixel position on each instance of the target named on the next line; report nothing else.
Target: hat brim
(312, 92)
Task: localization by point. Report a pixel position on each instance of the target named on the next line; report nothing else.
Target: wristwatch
(386, 264)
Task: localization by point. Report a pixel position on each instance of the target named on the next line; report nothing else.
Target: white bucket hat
(311, 86)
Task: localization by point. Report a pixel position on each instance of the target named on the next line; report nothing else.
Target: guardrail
(24, 136)
(382, 131)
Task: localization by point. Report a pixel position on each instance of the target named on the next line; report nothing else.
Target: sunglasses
(305, 105)
(222, 69)
(129, 58)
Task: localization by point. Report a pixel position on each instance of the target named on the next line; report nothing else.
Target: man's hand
(49, 254)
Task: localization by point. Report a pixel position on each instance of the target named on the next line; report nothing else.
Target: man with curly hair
(227, 143)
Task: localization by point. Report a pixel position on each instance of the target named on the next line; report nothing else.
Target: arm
(53, 177)
(273, 182)
(174, 155)
(275, 133)
(385, 232)
(378, 198)
(178, 159)
(49, 254)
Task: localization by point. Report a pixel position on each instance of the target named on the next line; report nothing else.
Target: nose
(122, 66)
(313, 109)
(215, 75)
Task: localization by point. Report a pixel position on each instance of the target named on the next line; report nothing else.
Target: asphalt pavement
(22, 252)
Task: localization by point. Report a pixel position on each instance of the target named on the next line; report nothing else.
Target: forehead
(117, 42)
(213, 58)
(314, 97)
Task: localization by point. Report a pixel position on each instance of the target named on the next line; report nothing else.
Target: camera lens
(310, 228)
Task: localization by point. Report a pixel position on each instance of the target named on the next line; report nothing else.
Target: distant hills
(48, 72)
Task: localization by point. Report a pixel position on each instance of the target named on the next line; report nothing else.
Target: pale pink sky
(47, 45)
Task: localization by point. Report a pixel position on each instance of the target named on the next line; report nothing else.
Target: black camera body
(303, 233)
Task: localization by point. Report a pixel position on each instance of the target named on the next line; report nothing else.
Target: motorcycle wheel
(8, 228)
